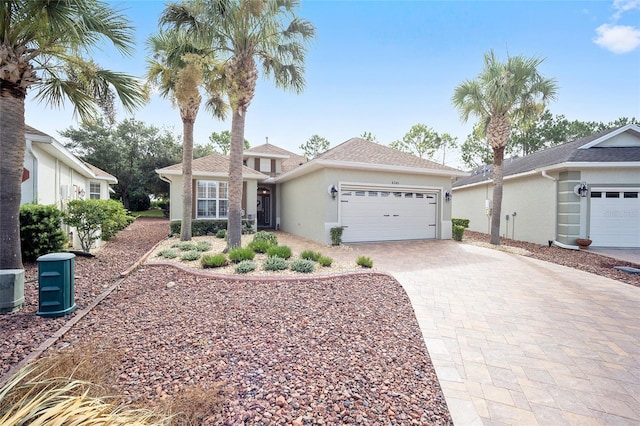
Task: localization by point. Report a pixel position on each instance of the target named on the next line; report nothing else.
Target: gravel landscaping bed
(23, 331)
(333, 351)
(579, 259)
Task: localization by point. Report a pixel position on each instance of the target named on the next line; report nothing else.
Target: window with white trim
(212, 199)
(94, 190)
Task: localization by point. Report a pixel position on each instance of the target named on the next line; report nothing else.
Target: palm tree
(503, 94)
(248, 32)
(42, 47)
(180, 68)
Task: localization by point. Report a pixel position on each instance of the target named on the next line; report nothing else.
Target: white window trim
(217, 199)
(92, 193)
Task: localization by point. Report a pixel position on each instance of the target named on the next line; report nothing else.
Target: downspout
(34, 172)
(557, 243)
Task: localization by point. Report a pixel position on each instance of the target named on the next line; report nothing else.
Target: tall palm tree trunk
(234, 228)
(498, 177)
(12, 147)
(187, 185)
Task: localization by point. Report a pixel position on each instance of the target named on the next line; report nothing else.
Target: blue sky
(383, 66)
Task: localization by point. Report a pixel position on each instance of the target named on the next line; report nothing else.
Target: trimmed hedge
(40, 231)
(208, 227)
(460, 222)
(458, 231)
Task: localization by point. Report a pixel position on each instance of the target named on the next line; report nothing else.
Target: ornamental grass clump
(364, 261)
(203, 246)
(190, 256)
(168, 253)
(275, 264)
(260, 246)
(310, 255)
(238, 254)
(279, 251)
(245, 267)
(184, 246)
(303, 265)
(325, 261)
(214, 260)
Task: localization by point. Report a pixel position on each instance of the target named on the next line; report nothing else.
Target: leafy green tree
(475, 150)
(447, 142)
(368, 136)
(502, 94)
(247, 32)
(315, 146)
(221, 142)
(181, 67)
(130, 150)
(44, 46)
(420, 140)
(96, 219)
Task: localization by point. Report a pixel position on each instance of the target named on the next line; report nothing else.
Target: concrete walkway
(519, 341)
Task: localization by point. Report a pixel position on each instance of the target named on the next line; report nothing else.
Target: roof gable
(210, 164)
(358, 150)
(617, 145)
(290, 160)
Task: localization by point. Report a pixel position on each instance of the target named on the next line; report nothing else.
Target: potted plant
(583, 243)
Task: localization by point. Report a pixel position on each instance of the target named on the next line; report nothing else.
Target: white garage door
(385, 215)
(615, 217)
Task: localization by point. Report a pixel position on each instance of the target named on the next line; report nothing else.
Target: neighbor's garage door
(615, 217)
(385, 215)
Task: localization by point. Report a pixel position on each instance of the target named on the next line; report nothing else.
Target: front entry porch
(266, 207)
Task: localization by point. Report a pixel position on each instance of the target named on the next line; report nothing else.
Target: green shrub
(260, 246)
(364, 261)
(458, 231)
(303, 265)
(245, 266)
(203, 246)
(269, 237)
(336, 235)
(40, 231)
(279, 251)
(213, 260)
(202, 227)
(139, 201)
(95, 219)
(239, 254)
(325, 261)
(185, 246)
(190, 255)
(461, 222)
(275, 264)
(310, 255)
(222, 233)
(168, 253)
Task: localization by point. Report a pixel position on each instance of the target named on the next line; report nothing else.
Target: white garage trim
(614, 217)
(373, 212)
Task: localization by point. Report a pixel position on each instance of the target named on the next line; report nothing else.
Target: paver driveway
(519, 341)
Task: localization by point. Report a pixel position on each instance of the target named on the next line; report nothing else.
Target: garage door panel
(615, 218)
(369, 215)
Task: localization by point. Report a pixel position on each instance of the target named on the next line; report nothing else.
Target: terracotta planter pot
(583, 243)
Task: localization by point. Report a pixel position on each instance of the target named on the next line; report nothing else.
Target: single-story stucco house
(586, 188)
(53, 175)
(374, 192)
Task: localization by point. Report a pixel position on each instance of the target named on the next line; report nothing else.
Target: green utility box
(56, 280)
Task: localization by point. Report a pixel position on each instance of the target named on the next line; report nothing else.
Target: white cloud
(623, 6)
(617, 38)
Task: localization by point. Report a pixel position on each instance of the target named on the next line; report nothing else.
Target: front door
(264, 209)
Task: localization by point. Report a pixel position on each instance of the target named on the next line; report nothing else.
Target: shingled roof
(101, 174)
(213, 164)
(358, 150)
(568, 152)
(291, 162)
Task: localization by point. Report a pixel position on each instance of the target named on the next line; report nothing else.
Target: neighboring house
(587, 188)
(53, 175)
(374, 192)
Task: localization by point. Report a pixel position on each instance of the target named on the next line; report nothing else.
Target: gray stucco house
(374, 192)
(586, 188)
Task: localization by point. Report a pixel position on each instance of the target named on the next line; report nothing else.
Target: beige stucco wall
(533, 198)
(307, 209)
